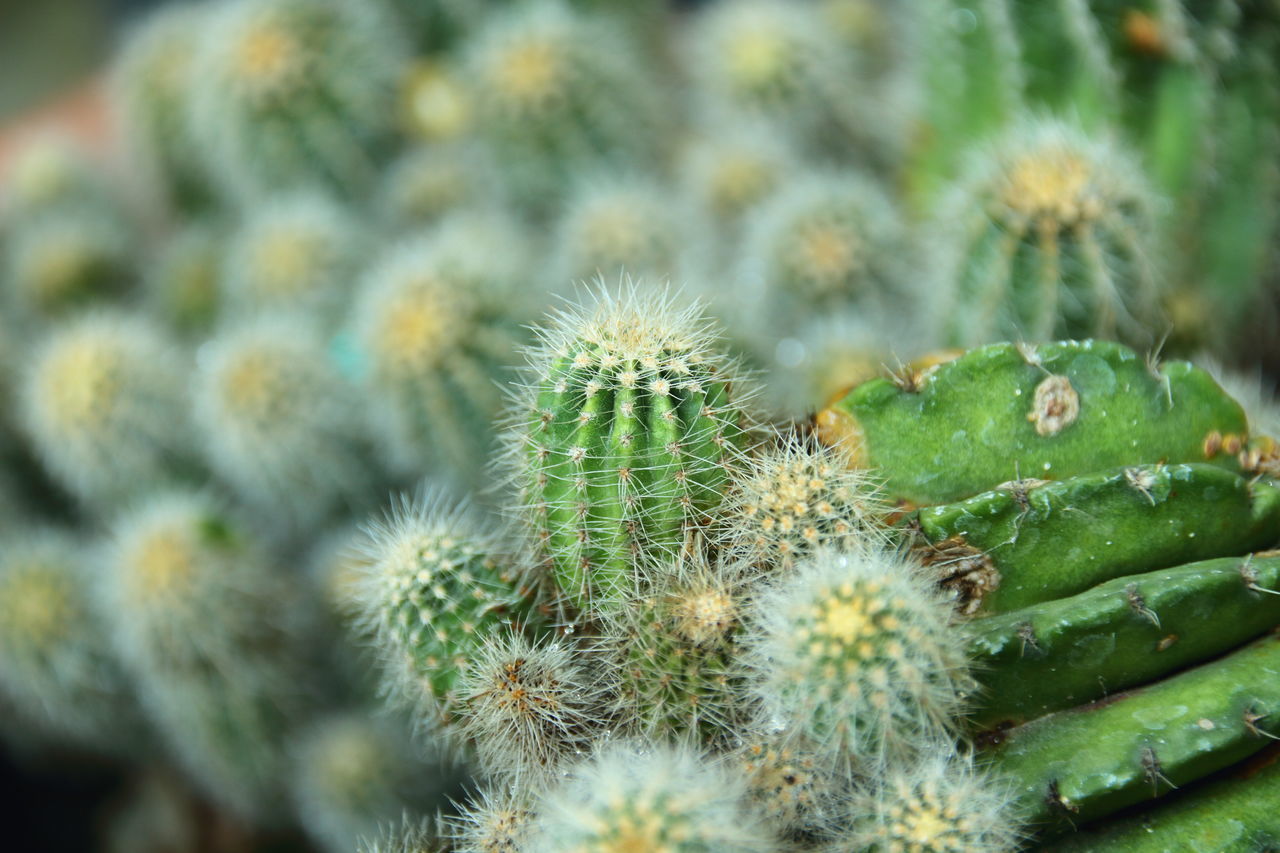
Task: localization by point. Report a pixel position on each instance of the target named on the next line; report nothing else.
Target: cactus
(731, 171)
(352, 773)
(54, 663)
(279, 422)
(801, 497)
(555, 89)
(297, 252)
(292, 92)
(1032, 541)
(151, 88)
(1141, 626)
(436, 105)
(205, 626)
(939, 803)
(791, 788)
(825, 241)
(614, 225)
(526, 707)
(68, 258)
(407, 837)
(1053, 411)
(435, 590)
(496, 820)
(674, 645)
(435, 319)
(427, 182)
(630, 797)
(620, 437)
(1051, 234)
(778, 62)
(851, 654)
(102, 401)
(49, 172)
(182, 281)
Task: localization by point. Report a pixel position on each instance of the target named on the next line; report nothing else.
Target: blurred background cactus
(295, 555)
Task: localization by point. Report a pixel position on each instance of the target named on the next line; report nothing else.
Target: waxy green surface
(1089, 762)
(1055, 539)
(1119, 634)
(970, 424)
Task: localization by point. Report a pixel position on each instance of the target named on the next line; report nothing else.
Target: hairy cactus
(409, 836)
(940, 803)
(152, 87)
(621, 437)
(851, 654)
(49, 172)
(792, 788)
(211, 634)
(292, 92)
(798, 498)
(436, 589)
(67, 258)
(437, 106)
(555, 88)
(279, 422)
(615, 225)
(55, 662)
(824, 241)
(528, 706)
(494, 820)
(1050, 235)
(730, 171)
(427, 182)
(298, 251)
(353, 773)
(631, 797)
(103, 403)
(436, 319)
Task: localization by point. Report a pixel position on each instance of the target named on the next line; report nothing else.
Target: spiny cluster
(790, 501)
(434, 594)
(853, 657)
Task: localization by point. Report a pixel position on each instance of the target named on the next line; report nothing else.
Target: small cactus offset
(622, 437)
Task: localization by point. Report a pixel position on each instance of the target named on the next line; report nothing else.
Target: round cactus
(436, 322)
(433, 594)
(621, 437)
(792, 789)
(291, 92)
(49, 172)
(103, 404)
(825, 241)
(851, 654)
(54, 663)
(779, 62)
(66, 258)
(1051, 235)
(205, 625)
(354, 772)
(437, 106)
(182, 281)
(730, 171)
(427, 182)
(280, 423)
(409, 836)
(295, 252)
(673, 646)
(153, 82)
(527, 706)
(631, 797)
(554, 88)
(799, 498)
(937, 805)
(617, 225)
(494, 820)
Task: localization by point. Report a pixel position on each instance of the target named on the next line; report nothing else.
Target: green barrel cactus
(1050, 234)
(1118, 602)
(621, 438)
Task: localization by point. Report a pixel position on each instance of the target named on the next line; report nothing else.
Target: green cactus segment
(628, 447)
(1119, 634)
(1031, 541)
(1230, 815)
(1059, 410)
(1086, 763)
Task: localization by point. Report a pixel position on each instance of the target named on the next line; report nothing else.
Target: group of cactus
(282, 517)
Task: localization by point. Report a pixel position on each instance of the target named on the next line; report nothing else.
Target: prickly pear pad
(1006, 411)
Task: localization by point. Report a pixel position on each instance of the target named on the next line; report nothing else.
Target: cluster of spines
(435, 590)
(853, 657)
(621, 437)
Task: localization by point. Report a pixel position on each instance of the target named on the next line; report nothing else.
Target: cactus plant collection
(602, 427)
